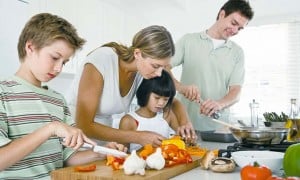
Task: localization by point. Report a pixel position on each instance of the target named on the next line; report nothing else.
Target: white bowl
(273, 160)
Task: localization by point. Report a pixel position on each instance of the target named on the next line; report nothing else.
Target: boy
(33, 118)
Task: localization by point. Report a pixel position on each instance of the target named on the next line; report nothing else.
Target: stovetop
(248, 147)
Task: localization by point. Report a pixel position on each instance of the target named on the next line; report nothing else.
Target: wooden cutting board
(107, 173)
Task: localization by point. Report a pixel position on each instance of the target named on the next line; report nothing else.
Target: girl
(155, 97)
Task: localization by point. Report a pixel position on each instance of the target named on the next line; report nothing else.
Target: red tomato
(86, 168)
(255, 172)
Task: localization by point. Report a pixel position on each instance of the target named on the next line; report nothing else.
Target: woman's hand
(187, 132)
(72, 136)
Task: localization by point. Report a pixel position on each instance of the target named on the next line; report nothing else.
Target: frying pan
(260, 136)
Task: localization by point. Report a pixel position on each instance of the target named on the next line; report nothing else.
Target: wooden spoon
(226, 124)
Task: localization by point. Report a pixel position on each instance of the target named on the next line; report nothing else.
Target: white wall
(100, 21)
(13, 15)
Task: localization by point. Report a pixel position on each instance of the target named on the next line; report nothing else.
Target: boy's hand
(73, 137)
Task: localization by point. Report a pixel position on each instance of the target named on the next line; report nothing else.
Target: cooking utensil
(260, 136)
(105, 150)
(216, 136)
(226, 124)
(241, 122)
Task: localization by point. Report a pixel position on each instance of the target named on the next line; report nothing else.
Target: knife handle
(86, 145)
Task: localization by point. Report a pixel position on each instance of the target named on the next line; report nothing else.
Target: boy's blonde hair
(44, 28)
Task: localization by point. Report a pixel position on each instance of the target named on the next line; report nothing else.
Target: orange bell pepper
(176, 140)
(146, 151)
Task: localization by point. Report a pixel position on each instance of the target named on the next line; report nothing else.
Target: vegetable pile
(171, 152)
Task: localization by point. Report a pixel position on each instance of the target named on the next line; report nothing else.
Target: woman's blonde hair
(154, 41)
(44, 28)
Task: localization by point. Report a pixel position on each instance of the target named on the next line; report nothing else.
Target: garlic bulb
(156, 160)
(134, 164)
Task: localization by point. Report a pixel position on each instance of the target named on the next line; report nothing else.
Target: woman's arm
(127, 122)
(89, 95)
(186, 129)
(170, 117)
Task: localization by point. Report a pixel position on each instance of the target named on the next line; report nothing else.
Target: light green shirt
(23, 109)
(212, 70)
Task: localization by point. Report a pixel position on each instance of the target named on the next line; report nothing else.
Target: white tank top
(156, 124)
(111, 102)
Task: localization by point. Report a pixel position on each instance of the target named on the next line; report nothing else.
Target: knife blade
(105, 150)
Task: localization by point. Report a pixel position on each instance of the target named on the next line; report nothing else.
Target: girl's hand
(117, 146)
(148, 137)
(72, 136)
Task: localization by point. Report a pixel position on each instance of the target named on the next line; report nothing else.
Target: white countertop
(198, 173)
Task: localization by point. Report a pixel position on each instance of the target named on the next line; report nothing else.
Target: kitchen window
(272, 61)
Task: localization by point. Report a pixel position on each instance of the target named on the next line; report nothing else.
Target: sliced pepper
(115, 162)
(146, 151)
(176, 140)
(85, 168)
(173, 155)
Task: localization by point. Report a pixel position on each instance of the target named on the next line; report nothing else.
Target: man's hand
(191, 92)
(208, 107)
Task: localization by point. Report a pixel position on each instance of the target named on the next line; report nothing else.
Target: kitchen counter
(198, 173)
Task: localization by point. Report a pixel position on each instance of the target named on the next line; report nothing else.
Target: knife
(105, 150)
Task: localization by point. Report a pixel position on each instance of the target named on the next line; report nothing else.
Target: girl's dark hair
(241, 6)
(162, 86)
(154, 42)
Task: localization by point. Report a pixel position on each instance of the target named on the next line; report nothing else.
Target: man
(214, 64)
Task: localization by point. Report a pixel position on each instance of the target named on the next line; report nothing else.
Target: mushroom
(222, 164)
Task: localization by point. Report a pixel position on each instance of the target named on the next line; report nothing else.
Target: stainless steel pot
(262, 136)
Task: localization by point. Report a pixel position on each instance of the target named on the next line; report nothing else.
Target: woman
(110, 77)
